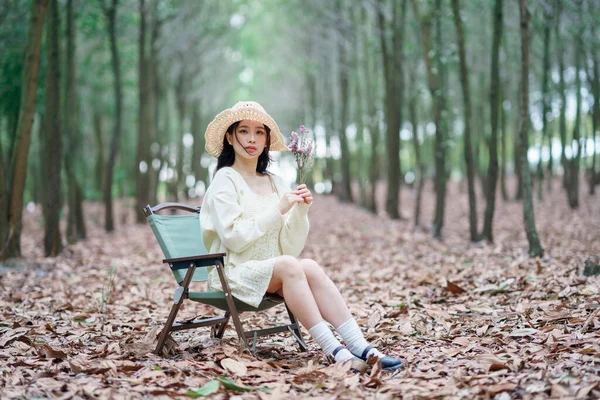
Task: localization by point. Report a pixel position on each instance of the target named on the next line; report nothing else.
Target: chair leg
(230, 304)
(220, 329)
(167, 328)
(297, 332)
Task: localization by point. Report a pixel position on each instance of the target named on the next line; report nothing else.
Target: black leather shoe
(357, 364)
(387, 363)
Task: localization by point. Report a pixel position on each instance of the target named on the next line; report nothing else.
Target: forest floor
(471, 321)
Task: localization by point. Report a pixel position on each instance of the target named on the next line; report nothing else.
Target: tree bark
(545, 101)
(100, 157)
(464, 78)
(181, 100)
(345, 194)
(154, 94)
(143, 161)
(492, 176)
(12, 210)
(562, 125)
(595, 113)
(434, 80)
(394, 79)
(53, 139)
(535, 248)
(503, 145)
(75, 222)
(573, 182)
(111, 16)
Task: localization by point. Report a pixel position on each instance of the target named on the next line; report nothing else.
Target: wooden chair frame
(217, 324)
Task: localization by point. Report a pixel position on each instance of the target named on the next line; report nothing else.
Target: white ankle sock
(354, 339)
(324, 337)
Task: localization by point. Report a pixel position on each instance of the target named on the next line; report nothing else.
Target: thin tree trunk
(492, 176)
(535, 248)
(111, 16)
(180, 99)
(503, 146)
(419, 165)
(345, 194)
(595, 113)
(75, 223)
(563, 97)
(359, 84)
(154, 94)
(545, 101)
(100, 157)
(435, 84)
(143, 161)
(200, 173)
(370, 70)
(53, 139)
(573, 182)
(464, 78)
(12, 210)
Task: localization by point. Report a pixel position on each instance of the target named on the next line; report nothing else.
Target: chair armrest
(206, 260)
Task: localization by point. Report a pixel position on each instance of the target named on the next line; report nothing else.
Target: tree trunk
(595, 114)
(545, 101)
(180, 99)
(100, 157)
(562, 126)
(464, 78)
(200, 173)
(53, 139)
(535, 248)
(12, 200)
(419, 165)
(345, 194)
(111, 16)
(573, 182)
(143, 161)
(435, 85)
(492, 176)
(370, 70)
(503, 145)
(154, 121)
(393, 98)
(75, 222)
(360, 91)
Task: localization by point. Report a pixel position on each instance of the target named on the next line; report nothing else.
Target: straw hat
(242, 110)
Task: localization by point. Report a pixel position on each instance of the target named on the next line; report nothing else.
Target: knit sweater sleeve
(294, 231)
(223, 214)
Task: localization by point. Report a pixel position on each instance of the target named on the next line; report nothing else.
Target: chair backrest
(179, 236)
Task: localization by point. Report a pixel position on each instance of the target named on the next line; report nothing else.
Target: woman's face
(249, 140)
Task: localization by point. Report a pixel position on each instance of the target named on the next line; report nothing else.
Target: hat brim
(217, 128)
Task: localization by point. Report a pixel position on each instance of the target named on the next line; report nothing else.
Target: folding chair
(180, 239)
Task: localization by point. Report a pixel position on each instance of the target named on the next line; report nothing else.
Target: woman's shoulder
(225, 179)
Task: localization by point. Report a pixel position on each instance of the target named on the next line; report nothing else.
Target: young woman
(262, 226)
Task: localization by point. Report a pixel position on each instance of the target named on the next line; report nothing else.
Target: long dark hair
(227, 156)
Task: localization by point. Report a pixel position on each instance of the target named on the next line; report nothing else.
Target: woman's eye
(260, 133)
(243, 131)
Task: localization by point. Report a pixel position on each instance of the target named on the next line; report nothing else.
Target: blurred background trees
(109, 99)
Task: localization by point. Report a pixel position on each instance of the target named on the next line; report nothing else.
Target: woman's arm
(294, 232)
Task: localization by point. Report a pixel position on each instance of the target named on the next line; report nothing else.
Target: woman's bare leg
(289, 279)
(332, 305)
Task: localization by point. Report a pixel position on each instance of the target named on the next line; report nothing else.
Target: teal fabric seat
(217, 299)
(180, 239)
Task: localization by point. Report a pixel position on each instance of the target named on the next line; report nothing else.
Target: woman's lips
(251, 148)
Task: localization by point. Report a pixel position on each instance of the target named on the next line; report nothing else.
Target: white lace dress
(251, 231)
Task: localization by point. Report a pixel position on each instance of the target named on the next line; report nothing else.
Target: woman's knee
(312, 270)
(288, 267)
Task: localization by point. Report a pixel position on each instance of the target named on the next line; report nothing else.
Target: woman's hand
(288, 200)
(306, 195)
